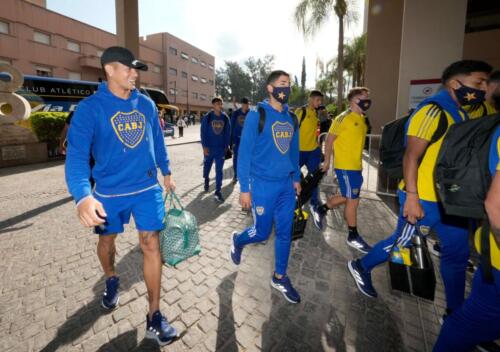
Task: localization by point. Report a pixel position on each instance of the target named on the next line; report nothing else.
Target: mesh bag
(179, 239)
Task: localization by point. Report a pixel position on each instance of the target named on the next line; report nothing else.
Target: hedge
(48, 126)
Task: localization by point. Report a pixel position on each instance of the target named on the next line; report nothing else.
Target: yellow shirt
(350, 130)
(308, 140)
(423, 124)
(479, 110)
(494, 250)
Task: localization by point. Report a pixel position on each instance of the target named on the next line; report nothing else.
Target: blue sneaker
(160, 330)
(285, 287)
(363, 279)
(235, 250)
(110, 297)
(318, 217)
(357, 242)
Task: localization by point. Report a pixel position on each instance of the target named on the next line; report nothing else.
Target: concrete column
(127, 26)
(432, 38)
(382, 59)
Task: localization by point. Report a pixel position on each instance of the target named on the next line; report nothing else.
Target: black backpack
(262, 119)
(462, 172)
(463, 177)
(392, 145)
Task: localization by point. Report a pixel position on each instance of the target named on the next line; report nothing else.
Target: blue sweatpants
(235, 159)
(453, 236)
(272, 202)
(476, 321)
(311, 160)
(216, 155)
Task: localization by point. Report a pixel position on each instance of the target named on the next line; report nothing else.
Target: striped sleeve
(424, 122)
(336, 126)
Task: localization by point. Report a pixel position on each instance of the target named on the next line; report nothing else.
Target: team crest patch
(282, 135)
(129, 127)
(241, 120)
(259, 210)
(355, 191)
(217, 126)
(424, 230)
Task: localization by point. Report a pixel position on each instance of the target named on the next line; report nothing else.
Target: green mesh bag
(179, 239)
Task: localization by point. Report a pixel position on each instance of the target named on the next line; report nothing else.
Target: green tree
(239, 80)
(258, 71)
(354, 60)
(222, 87)
(310, 15)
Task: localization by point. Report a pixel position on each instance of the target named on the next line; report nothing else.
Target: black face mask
(364, 104)
(496, 101)
(468, 95)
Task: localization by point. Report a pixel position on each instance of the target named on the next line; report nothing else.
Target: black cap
(244, 100)
(122, 55)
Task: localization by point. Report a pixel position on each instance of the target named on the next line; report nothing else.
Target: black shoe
(235, 180)
(218, 197)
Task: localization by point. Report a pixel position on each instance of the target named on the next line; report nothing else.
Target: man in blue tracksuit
(119, 127)
(215, 139)
(237, 120)
(268, 171)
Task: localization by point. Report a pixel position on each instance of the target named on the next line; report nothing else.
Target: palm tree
(354, 60)
(310, 15)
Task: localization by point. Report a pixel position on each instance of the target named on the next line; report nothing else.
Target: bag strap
(172, 197)
(300, 215)
(302, 118)
(262, 119)
(485, 252)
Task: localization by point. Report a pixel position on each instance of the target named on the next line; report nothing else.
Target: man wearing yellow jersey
(346, 138)
(478, 319)
(464, 83)
(487, 107)
(310, 153)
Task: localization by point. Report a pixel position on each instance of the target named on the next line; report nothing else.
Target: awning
(168, 107)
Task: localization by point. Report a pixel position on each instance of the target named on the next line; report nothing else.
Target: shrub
(48, 126)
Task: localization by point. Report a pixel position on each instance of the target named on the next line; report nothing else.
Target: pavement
(51, 281)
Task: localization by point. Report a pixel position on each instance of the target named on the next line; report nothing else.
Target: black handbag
(417, 279)
(299, 221)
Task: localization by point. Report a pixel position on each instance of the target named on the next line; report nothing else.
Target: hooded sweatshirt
(125, 139)
(215, 131)
(272, 154)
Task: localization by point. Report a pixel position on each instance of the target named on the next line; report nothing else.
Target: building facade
(42, 42)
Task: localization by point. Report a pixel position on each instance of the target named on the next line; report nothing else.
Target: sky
(227, 29)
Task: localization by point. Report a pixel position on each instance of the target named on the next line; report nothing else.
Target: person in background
(181, 124)
(237, 120)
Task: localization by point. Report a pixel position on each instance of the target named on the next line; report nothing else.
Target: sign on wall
(421, 89)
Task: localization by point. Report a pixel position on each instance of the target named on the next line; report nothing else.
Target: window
(203, 80)
(210, 66)
(172, 71)
(194, 60)
(43, 71)
(4, 27)
(75, 76)
(73, 46)
(203, 64)
(194, 77)
(40, 37)
(194, 95)
(185, 56)
(172, 91)
(99, 53)
(203, 97)
(157, 69)
(184, 74)
(172, 50)
(211, 82)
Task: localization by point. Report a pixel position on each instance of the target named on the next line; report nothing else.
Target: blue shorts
(350, 182)
(147, 208)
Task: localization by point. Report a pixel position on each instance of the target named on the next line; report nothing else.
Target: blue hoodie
(215, 131)
(237, 120)
(125, 139)
(272, 154)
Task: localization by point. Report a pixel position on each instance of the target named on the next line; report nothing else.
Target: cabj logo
(129, 127)
(282, 135)
(241, 120)
(217, 126)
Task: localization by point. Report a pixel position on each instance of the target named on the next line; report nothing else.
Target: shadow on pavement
(203, 201)
(14, 170)
(33, 212)
(226, 338)
(83, 319)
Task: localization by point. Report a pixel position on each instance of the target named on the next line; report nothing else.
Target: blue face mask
(281, 94)
(469, 96)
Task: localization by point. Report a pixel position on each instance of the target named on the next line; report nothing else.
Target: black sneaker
(235, 180)
(357, 242)
(218, 197)
(160, 330)
(110, 298)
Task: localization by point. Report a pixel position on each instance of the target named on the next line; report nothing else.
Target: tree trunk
(340, 68)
